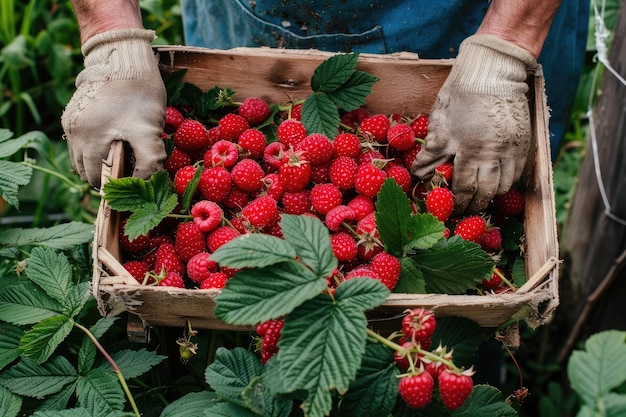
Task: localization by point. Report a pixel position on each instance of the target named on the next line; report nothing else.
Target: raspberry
(440, 203)
(408, 157)
(172, 279)
(494, 282)
(207, 215)
(337, 215)
(167, 260)
(416, 390)
(183, 177)
(420, 126)
(369, 180)
(296, 111)
(189, 240)
(342, 172)
(200, 266)
(369, 157)
(140, 243)
(402, 357)
(344, 246)
(247, 175)
(255, 110)
(232, 125)
(253, 143)
(295, 171)
(387, 267)
(510, 203)
(215, 183)
(401, 137)
(214, 280)
(274, 186)
(362, 206)
(444, 173)
(319, 173)
(346, 144)
(221, 236)
(176, 160)
(375, 127)
(138, 270)
(361, 271)
(419, 325)
(173, 119)
(400, 175)
(454, 388)
(298, 202)
(492, 240)
(191, 134)
(318, 148)
(273, 154)
(270, 332)
(471, 228)
(324, 197)
(290, 132)
(236, 199)
(222, 153)
(261, 212)
(353, 118)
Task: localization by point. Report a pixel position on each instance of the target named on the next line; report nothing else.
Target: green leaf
(192, 404)
(12, 176)
(51, 271)
(333, 72)
(99, 391)
(25, 303)
(454, 265)
(261, 400)
(76, 299)
(9, 343)
(320, 115)
(147, 217)
(393, 214)
(10, 146)
(73, 412)
(323, 340)
(411, 278)
(425, 231)
(255, 295)
(231, 372)
(225, 409)
(311, 241)
(10, 404)
(59, 401)
(29, 379)
(134, 363)
(374, 391)
(254, 250)
(63, 236)
(128, 193)
(40, 342)
(485, 401)
(87, 352)
(614, 404)
(353, 93)
(190, 191)
(460, 335)
(599, 368)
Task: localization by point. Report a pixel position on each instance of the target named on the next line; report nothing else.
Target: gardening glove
(119, 95)
(481, 120)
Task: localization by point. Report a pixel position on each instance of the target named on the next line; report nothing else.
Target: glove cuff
(489, 65)
(119, 55)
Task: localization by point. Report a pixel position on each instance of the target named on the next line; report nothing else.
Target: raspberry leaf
(40, 342)
(411, 278)
(231, 372)
(425, 230)
(393, 214)
(353, 93)
(254, 250)
(453, 265)
(62, 236)
(323, 340)
(333, 72)
(190, 191)
(486, 400)
(374, 390)
(259, 294)
(320, 115)
(311, 241)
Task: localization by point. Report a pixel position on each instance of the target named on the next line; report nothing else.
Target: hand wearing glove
(481, 119)
(120, 95)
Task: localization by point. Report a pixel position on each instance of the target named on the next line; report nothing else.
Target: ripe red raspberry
(274, 154)
(232, 125)
(270, 332)
(375, 127)
(324, 197)
(370, 156)
(189, 240)
(420, 126)
(342, 172)
(353, 118)
(261, 212)
(367, 226)
(510, 203)
(494, 282)
(172, 279)
(401, 137)
(338, 215)
(492, 240)
(220, 236)
(222, 153)
(247, 175)
(138, 270)
(183, 177)
(215, 280)
(444, 173)
(295, 171)
(387, 267)
(346, 144)
(253, 143)
(318, 148)
(176, 160)
(362, 206)
(369, 180)
(319, 173)
(400, 174)
(255, 110)
(440, 203)
(290, 132)
(173, 119)
(454, 388)
(191, 134)
(167, 260)
(207, 215)
(298, 202)
(344, 246)
(200, 266)
(419, 325)
(274, 229)
(274, 186)
(361, 271)
(417, 390)
(471, 228)
(155, 242)
(296, 111)
(408, 157)
(402, 357)
(236, 199)
(215, 183)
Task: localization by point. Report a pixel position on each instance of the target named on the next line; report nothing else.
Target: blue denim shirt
(433, 29)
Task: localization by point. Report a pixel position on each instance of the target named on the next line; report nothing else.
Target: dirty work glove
(481, 119)
(119, 95)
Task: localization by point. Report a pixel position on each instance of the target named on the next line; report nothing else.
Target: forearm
(97, 16)
(524, 23)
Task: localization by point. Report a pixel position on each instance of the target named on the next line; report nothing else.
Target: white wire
(601, 34)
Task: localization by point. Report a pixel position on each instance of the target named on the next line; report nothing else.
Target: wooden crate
(407, 84)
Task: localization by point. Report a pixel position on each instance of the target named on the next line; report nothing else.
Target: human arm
(481, 117)
(119, 94)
